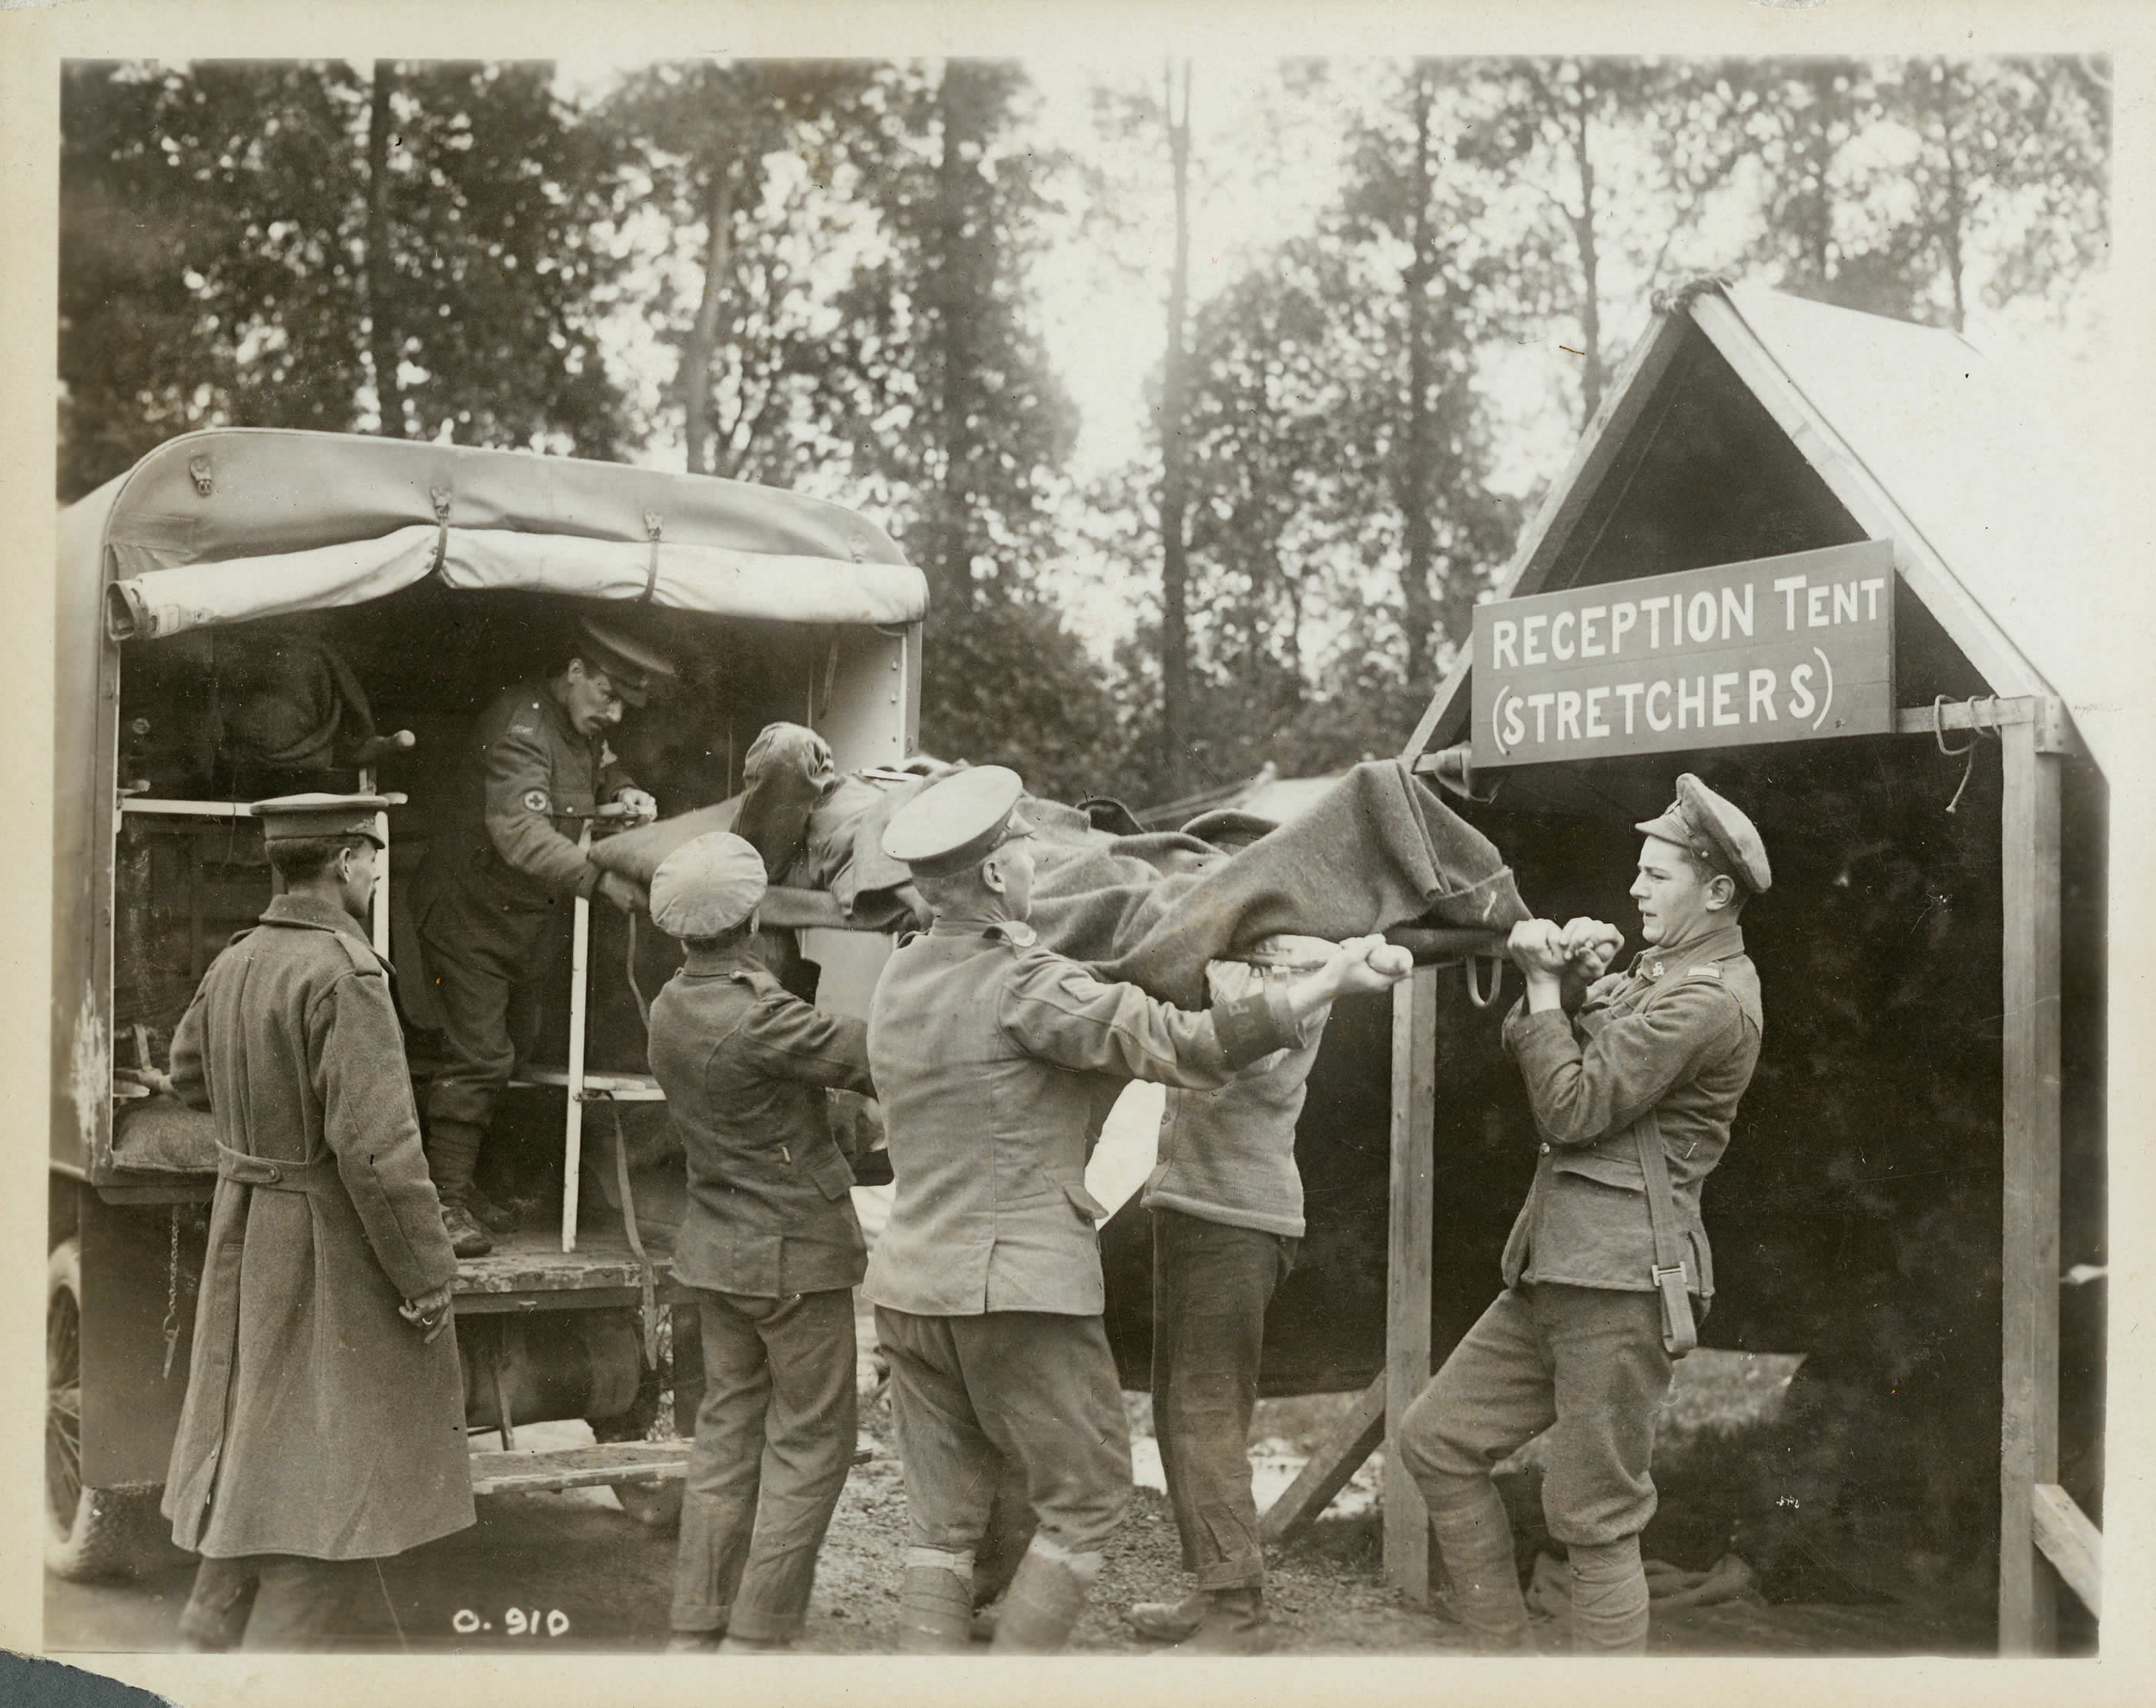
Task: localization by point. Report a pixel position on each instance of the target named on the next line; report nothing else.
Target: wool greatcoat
(317, 1421)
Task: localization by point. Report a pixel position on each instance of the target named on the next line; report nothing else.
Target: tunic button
(1545, 1150)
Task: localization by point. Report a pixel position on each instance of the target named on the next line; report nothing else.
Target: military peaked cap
(957, 821)
(1716, 831)
(293, 817)
(632, 666)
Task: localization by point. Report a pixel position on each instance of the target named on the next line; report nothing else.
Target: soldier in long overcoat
(324, 1421)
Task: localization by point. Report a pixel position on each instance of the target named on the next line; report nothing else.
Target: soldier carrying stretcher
(771, 1246)
(1634, 1079)
(987, 1049)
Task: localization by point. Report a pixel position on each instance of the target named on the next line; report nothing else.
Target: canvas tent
(1746, 424)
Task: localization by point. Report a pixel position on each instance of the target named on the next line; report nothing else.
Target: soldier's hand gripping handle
(1590, 945)
(1360, 965)
(1536, 947)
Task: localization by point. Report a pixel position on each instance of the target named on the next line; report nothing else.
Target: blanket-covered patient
(1378, 850)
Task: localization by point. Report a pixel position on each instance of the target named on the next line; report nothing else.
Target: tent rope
(1967, 751)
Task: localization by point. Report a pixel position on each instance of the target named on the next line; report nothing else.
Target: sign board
(1790, 649)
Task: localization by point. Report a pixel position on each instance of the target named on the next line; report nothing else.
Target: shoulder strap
(1679, 1334)
(362, 956)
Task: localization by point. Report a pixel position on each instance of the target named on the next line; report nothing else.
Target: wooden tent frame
(2036, 1515)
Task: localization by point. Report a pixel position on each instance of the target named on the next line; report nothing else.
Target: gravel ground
(1326, 1587)
(501, 1584)
(575, 1567)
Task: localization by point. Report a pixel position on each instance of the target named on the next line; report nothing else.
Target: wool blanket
(1379, 848)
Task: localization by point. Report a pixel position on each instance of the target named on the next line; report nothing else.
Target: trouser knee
(1429, 1452)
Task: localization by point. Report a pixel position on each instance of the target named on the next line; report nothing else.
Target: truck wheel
(657, 1506)
(88, 1532)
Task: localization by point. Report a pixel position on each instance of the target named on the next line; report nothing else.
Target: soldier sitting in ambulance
(494, 892)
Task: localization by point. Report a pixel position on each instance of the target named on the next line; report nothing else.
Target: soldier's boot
(467, 1238)
(1235, 1623)
(214, 1619)
(1475, 1540)
(1046, 1597)
(755, 1645)
(494, 1216)
(694, 1642)
(452, 1149)
(936, 1603)
(1010, 1532)
(1170, 1621)
(1608, 1597)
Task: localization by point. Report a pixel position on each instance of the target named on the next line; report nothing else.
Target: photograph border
(35, 39)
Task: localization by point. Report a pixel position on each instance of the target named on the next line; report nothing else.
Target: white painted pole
(573, 1146)
(382, 877)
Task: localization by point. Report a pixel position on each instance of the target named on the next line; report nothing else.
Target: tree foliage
(1341, 522)
(756, 169)
(1916, 188)
(214, 262)
(953, 420)
(825, 274)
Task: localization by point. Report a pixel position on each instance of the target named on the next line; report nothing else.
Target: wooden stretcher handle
(1431, 945)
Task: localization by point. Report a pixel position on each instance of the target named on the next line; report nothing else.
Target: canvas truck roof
(234, 524)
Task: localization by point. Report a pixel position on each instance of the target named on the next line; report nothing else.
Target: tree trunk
(382, 342)
(711, 308)
(1174, 468)
(1418, 606)
(952, 277)
(1956, 213)
(1590, 276)
(1818, 154)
